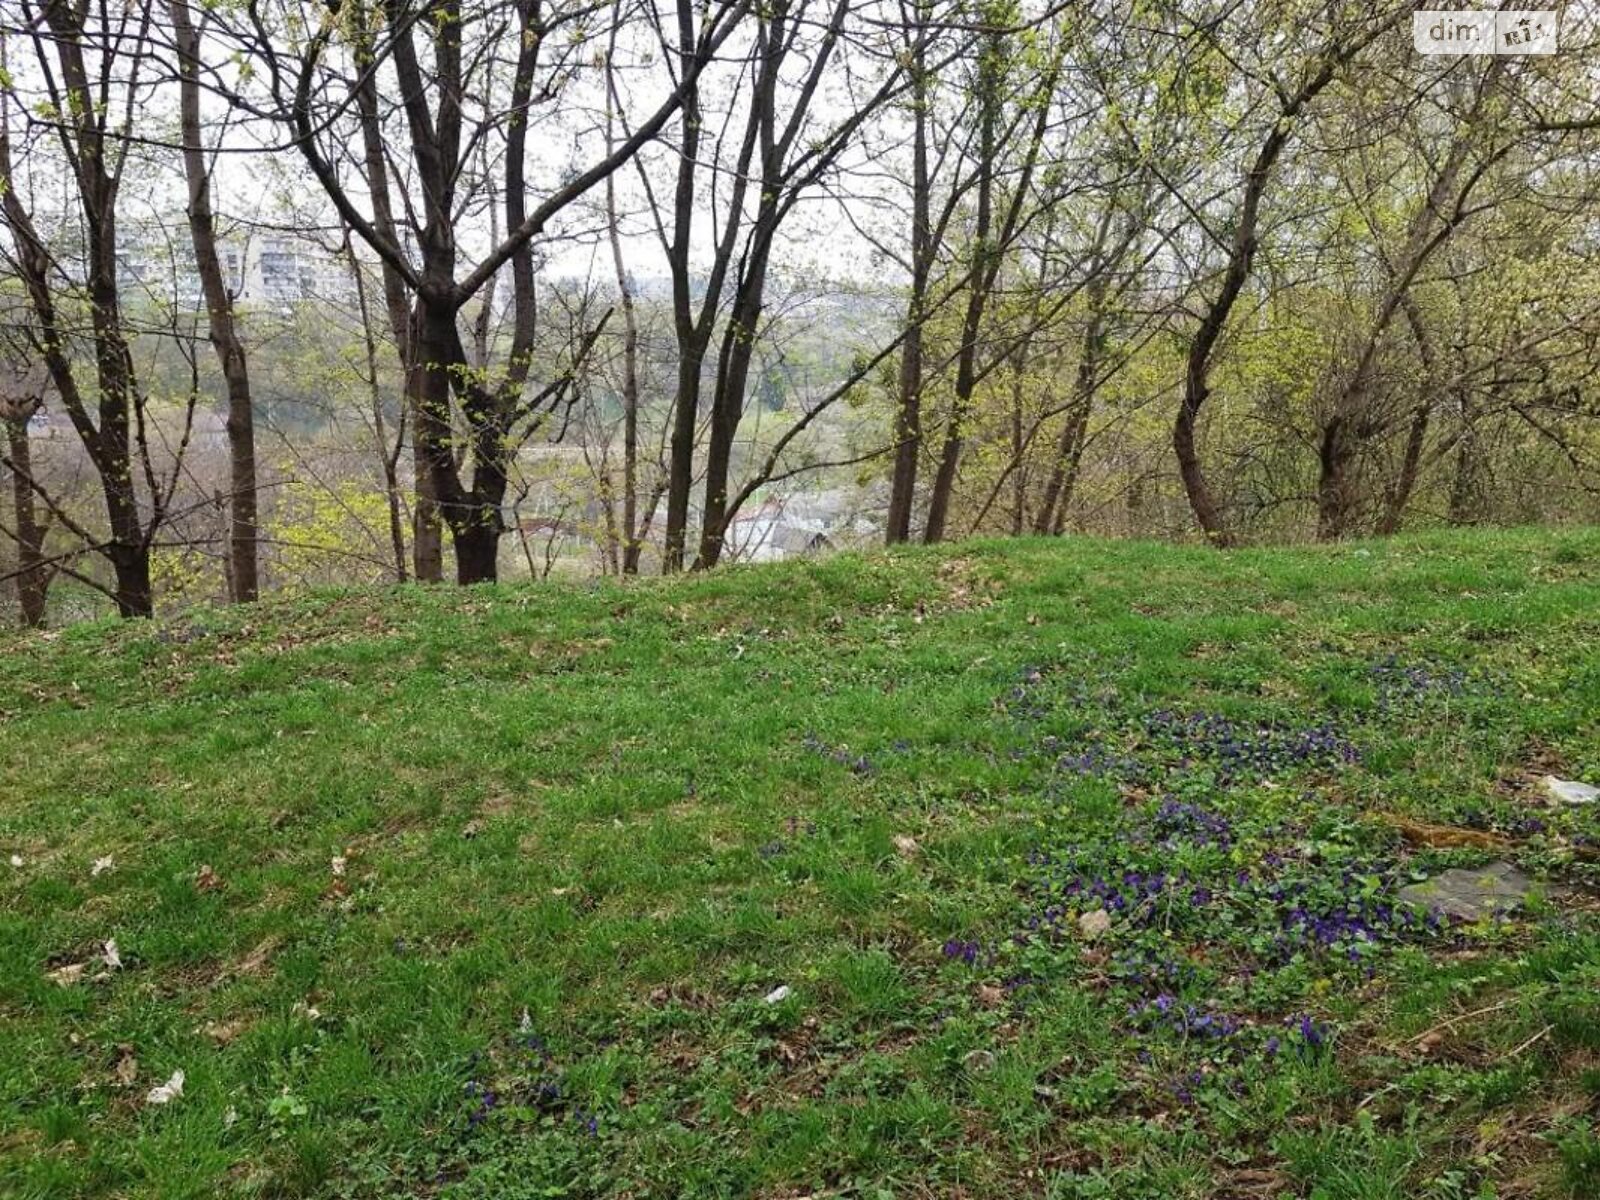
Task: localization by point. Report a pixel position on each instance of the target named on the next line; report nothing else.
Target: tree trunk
(908, 412)
(427, 541)
(733, 374)
(1416, 437)
(1069, 450)
(985, 266)
(243, 535)
(632, 542)
(1466, 488)
(1241, 258)
(685, 416)
(433, 340)
(131, 565)
(477, 547)
(33, 577)
(1335, 499)
(388, 456)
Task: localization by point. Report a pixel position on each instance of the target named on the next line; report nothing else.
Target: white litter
(1570, 791)
(165, 1093)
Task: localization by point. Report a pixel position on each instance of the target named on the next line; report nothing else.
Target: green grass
(587, 830)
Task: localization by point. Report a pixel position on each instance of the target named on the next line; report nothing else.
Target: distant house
(776, 530)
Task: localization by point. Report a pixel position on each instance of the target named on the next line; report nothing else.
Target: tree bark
(1417, 435)
(243, 534)
(33, 577)
(1063, 479)
(632, 542)
(908, 411)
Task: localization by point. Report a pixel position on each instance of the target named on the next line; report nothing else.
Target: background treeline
(299, 292)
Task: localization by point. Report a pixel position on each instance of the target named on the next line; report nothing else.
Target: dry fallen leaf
(127, 1067)
(251, 963)
(68, 975)
(101, 866)
(113, 958)
(906, 844)
(339, 863)
(207, 879)
(224, 1032)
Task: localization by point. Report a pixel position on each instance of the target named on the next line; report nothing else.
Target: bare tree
(464, 72)
(92, 69)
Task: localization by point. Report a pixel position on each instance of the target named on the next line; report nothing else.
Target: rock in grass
(1491, 891)
(1094, 924)
(779, 994)
(1570, 791)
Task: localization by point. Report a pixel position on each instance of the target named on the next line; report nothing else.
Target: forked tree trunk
(1241, 259)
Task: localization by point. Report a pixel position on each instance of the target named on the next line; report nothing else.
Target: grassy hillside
(497, 893)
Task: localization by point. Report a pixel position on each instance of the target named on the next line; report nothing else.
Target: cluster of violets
(1099, 763)
(1026, 701)
(1067, 885)
(1345, 915)
(1516, 825)
(1241, 752)
(541, 1090)
(1230, 1042)
(483, 1100)
(1168, 1013)
(1175, 822)
(1295, 906)
(1247, 898)
(1041, 692)
(1145, 970)
(972, 953)
(795, 829)
(1403, 687)
(859, 764)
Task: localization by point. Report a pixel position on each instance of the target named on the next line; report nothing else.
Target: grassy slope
(631, 812)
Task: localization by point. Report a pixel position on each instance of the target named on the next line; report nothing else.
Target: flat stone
(1570, 791)
(1490, 891)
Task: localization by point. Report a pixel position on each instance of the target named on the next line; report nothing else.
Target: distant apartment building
(261, 268)
(273, 269)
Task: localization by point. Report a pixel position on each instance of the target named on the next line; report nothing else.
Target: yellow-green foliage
(326, 533)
